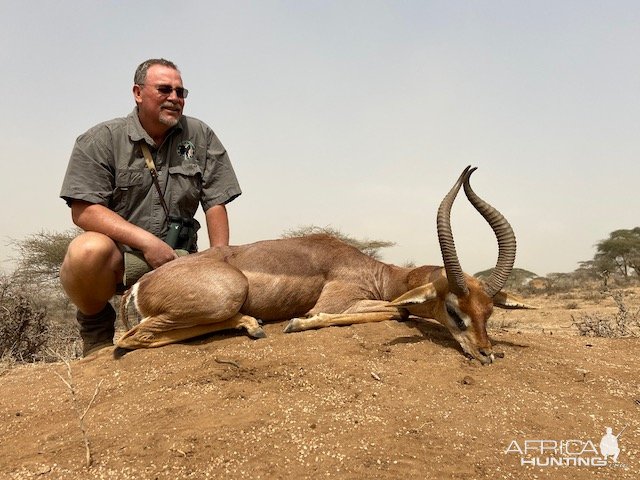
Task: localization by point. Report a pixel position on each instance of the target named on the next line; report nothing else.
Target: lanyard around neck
(154, 176)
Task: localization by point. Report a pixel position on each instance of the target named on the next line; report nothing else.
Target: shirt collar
(137, 132)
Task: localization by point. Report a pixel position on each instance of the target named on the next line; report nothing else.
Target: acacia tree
(368, 247)
(33, 307)
(517, 278)
(40, 256)
(620, 252)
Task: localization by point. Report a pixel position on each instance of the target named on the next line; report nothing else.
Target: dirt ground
(385, 401)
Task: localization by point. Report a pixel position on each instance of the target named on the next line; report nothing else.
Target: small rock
(467, 380)
(43, 470)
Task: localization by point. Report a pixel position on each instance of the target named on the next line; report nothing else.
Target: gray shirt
(107, 167)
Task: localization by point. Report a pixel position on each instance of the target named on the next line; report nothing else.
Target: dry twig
(76, 403)
(227, 362)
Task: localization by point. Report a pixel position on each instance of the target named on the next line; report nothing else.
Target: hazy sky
(357, 115)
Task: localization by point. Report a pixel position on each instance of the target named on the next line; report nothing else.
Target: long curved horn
(455, 276)
(504, 234)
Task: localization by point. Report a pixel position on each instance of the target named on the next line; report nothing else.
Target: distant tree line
(616, 258)
(615, 262)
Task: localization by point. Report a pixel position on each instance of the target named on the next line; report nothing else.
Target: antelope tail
(124, 305)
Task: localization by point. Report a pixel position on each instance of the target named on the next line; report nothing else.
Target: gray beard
(168, 121)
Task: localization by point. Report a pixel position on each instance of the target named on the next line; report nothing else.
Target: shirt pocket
(128, 191)
(185, 185)
(126, 179)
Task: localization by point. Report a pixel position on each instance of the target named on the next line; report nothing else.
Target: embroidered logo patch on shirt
(187, 150)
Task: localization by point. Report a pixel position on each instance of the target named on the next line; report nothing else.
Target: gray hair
(141, 72)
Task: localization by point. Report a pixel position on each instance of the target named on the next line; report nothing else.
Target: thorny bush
(23, 328)
(623, 323)
(30, 328)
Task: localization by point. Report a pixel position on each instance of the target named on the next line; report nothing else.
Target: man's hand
(98, 218)
(156, 252)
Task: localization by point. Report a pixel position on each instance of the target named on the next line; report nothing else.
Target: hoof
(257, 333)
(120, 352)
(291, 326)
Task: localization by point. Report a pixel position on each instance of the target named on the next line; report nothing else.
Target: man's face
(157, 110)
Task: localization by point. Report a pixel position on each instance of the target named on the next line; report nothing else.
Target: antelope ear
(510, 301)
(417, 296)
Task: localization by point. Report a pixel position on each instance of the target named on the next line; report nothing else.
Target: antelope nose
(487, 355)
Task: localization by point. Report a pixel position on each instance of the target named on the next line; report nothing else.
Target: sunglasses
(167, 89)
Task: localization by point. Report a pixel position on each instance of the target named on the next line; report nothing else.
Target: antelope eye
(453, 314)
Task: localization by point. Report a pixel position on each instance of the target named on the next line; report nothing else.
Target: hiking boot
(97, 330)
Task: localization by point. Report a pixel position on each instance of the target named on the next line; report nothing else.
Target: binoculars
(181, 234)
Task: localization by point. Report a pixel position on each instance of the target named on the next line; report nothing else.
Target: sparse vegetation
(368, 247)
(571, 305)
(503, 324)
(40, 256)
(80, 412)
(28, 330)
(35, 314)
(23, 328)
(623, 323)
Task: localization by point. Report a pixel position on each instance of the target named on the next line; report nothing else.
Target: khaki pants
(135, 266)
